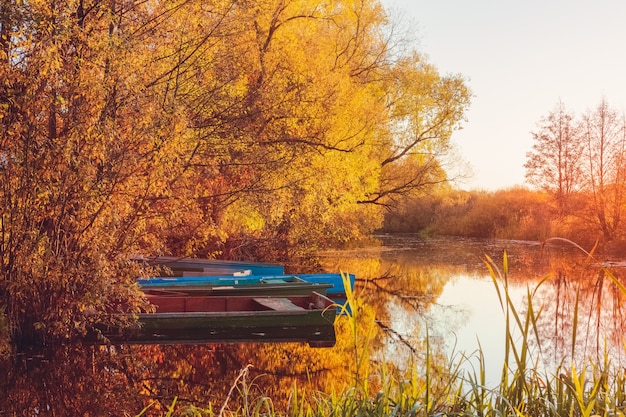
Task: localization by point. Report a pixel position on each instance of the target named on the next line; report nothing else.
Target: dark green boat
(200, 319)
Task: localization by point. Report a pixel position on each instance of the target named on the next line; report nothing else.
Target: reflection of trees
(390, 283)
(202, 374)
(581, 314)
(68, 380)
(122, 380)
(411, 273)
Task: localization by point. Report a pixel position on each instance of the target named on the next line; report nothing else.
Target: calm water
(442, 287)
(414, 287)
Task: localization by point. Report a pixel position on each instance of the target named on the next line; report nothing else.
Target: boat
(331, 284)
(338, 290)
(328, 284)
(201, 319)
(229, 285)
(184, 266)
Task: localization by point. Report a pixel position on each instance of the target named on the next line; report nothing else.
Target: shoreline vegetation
(516, 213)
(443, 386)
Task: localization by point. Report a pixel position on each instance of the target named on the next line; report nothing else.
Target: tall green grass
(438, 386)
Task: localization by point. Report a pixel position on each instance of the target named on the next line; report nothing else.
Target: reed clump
(437, 386)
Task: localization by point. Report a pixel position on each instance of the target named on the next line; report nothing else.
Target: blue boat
(330, 284)
(336, 280)
(229, 285)
(183, 266)
(212, 276)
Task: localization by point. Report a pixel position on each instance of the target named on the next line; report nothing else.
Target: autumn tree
(424, 108)
(308, 143)
(84, 151)
(310, 122)
(583, 160)
(605, 167)
(185, 128)
(555, 162)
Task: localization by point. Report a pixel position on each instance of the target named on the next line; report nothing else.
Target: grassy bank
(440, 386)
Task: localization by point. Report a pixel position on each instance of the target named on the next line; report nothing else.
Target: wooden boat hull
(217, 319)
(331, 284)
(210, 285)
(183, 266)
(337, 290)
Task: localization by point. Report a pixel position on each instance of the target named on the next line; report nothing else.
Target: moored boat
(338, 289)
(229, 285)
(183, 266)
(200, 319)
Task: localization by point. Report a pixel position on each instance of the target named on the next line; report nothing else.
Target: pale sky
(519, 58)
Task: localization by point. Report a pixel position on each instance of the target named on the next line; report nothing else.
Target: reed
(438, 386)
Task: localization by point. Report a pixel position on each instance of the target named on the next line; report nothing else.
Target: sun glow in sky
(519, 59)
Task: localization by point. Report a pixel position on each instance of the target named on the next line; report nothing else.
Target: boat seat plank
(278, 304)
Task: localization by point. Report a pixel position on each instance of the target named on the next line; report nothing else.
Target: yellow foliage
(242, 218)
(176, 127)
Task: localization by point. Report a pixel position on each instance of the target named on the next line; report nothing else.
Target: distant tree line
(513, 213)
(577, 170)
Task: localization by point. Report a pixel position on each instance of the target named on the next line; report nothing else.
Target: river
(433, 295)
(443, 289)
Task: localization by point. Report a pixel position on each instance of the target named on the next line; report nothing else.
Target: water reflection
(582, 317)
(443, 288)
(413, 288)
(123, 380)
